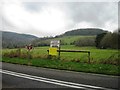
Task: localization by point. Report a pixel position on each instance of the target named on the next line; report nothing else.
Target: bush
(98, 39)
(11, 54)
(16, 53)
(85, 42)
(110, 40)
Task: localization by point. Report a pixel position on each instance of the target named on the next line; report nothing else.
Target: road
(21, 76)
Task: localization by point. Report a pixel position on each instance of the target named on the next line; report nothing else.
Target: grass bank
(66, 65)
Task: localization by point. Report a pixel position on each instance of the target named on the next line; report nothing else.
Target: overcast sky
(52, 18)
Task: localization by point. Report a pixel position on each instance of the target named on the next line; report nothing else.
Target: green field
(103, 61)
(103, 56)
(66, 40)
(70, 39)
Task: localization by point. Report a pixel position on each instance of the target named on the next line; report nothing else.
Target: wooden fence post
(59, 53)
(89, 57)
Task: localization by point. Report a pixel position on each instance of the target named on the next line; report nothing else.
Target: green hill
(65, 40)
(11, 39)
(70, 37)
(85, 32)
(14, 40)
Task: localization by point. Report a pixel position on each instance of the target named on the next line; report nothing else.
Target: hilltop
(70, 37)
(84, 32)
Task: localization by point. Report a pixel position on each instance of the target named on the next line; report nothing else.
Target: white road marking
(52, 81)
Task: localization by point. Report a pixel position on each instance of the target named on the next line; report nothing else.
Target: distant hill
(68, 38)
(86, 31)
(12, 40)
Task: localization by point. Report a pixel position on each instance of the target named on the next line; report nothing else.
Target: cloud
(93, 12)
(52, 18)
(83, 24)
(47, 21)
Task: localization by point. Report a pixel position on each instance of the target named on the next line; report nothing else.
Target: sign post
(55, 50)
(29, 47)
(54, 47)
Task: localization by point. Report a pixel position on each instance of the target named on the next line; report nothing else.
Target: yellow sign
(53, 51)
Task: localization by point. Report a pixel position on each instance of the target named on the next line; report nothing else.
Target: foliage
(85, 41)
(15, 40)
(16, 53)
(85, 32)
(110, 40)
(98, 39)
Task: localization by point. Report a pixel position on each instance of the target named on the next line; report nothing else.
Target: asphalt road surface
(21, 76)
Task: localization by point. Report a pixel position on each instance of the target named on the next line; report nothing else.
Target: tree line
(102, 41)
(108, 40)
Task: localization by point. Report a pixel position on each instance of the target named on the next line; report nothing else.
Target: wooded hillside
(86, 31)
(14, 40)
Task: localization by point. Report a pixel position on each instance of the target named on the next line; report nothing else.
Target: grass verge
(67, 65)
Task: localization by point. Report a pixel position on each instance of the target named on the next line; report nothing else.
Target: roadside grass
(66, 65)
(97, 56)
(103, 61)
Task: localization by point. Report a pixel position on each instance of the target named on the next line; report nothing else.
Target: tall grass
(103, 56)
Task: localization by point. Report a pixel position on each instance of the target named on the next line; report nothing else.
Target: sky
(51, 17)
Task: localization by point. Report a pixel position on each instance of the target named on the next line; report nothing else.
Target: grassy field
(108, 56)
(103, 61)
(71, 39)
(67, 40)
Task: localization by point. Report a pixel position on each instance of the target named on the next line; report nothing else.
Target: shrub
(11, 54)
(16, 53)
(110, 40)
(88, 41)
(98, 39)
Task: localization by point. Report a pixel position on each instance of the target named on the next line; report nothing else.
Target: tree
(110, 40)
(98, 39)
(85, 41)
